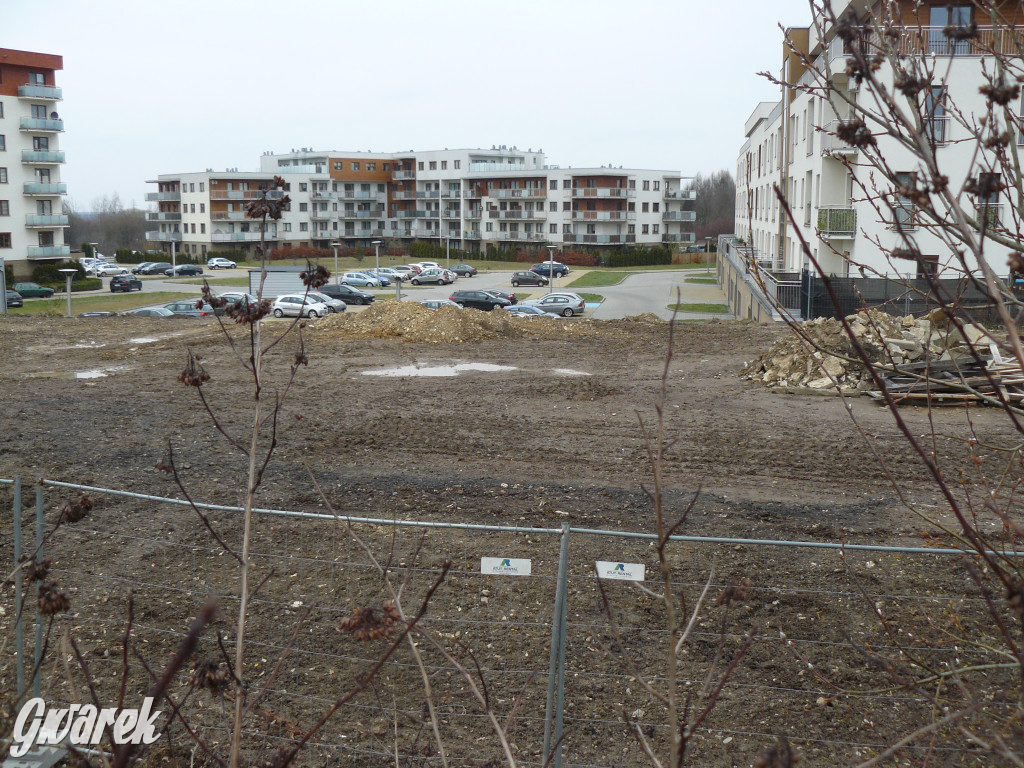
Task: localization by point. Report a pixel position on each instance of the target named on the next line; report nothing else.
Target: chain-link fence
(561, 658)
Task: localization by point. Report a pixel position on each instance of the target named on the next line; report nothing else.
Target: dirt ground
(553, 439)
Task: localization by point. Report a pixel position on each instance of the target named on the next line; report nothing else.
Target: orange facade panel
(359, 169)
(601, 182)
(17, 66)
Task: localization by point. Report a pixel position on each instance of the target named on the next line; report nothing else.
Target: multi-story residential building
(850, 212)
(468, 198)
(31, 214)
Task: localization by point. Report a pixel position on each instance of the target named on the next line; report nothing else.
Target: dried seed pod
(371, 623)
(211, 675)
(194, 374)
(35, 569)
(52, 599)
(76, 509)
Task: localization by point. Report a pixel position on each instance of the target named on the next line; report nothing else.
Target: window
(656, 228)
(457, 164)
(287, 226)
(905, 209)
(632, 183)
(1, 109)
(202, 207)
(421, 165)
(646, 229)
(39, 111)
(303, 226)
(3, 143)
(302, 187)
(631, 229)
(444, 165)
(489, 227)
(553, 229)
(566, 206)
(647, 185)
(303, 206)
(355, 166)
(591, 229)
(945, 16)
(433, 165)
(5, 208)
(202, 188)
(553, 207)
(554, 184)
(631, 207)
(46, 239)
(989, 185)
(5, 239)
(371, 166)
(193, 229)
(44, 207)
(656, 207)
(202, 229)
(338, 166)
(192, 187)
(193, 208)
(645, 208)
(36, 78)
(657, 186)
(387, 166)
(935, 117)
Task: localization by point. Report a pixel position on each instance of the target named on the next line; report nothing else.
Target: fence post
(19, 626)
(37, 667)
(556, 667)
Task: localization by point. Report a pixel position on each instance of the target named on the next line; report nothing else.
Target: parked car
(387, 272)
(565, 304)
(464, 270)
(335, 305)
(550, 268)
(299, 305)
(509, 297)
(405, 272)
(188, 308)
(33, 290)
(383, 279)
(358, 278)
(138, 268)
(431, 275)
(348, 294)
(156, 268)
(525, 310)
(151, 312)
(108, 270)
(426, 265)
(218, 263)
(126, 283)
(184, 269)
(478, 300)
(528, 278)
(14, 299)
(438, 303)
(450, 276)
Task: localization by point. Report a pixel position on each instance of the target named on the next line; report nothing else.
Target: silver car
(336, 305)
(564, 304)
(436, 275)
(297, 305)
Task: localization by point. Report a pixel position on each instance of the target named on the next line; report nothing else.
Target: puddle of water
(570, 372)
(143, 340)
(438, 370)
(97, 373)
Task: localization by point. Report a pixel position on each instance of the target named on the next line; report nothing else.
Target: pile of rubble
(411, 321)
(889, 341)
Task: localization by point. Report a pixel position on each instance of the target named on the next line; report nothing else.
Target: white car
(106, 270)
(426, 264)
(335, 305)
(297, 305)
(218, 263)
(360, 278)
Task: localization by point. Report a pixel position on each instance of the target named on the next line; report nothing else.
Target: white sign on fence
(505, 566)
(620, 571)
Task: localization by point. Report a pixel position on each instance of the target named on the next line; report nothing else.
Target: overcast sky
(182, 86)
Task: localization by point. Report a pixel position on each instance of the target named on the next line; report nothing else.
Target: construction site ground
(551, 436)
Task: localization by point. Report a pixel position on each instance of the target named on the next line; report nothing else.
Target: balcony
(611, 192)
(234, 194)
(681, 237)
(41, 125)
(532, 236)
(46, 190)
(484, 166)
(471, 194)
(517, 215)
(474, 213)
(601, 215)
(40, 92)
(229, 216)
(403, 175)
(679, 216)
(451, 193)
(991, 214)
(680, 194)
(363, 233)
(410, 215)
(832, 144)
(451, 213)
(164, 237)
(428, 194)
(41, 157)
(519, 194)
(163, 197)
(49, 251)
(320, 216)
(360, 214)
(472, 234)
(598, 239)
(46, 222)
(235, 237)
(161, 216)
(379, 197)
(837, 221)
(320, 195)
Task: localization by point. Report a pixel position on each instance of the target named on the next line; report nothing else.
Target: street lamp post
(447, 253)
(68, 274)
(376, 249)
(707, 254)
(337, 277)
(551, 267)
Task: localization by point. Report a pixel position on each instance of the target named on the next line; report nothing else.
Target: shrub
(49, 274)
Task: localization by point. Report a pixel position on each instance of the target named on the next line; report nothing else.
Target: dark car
(14, 299)
(464, 270)
(156, 268)
(184, 269)
(478, 300)
(550, 269)
(509, 297)
(189, 308)
(33, 290)
(528, 278)
(126, 283)
(347, 293)
(138, 268)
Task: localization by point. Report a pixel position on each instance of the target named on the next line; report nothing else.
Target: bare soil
(535, 446)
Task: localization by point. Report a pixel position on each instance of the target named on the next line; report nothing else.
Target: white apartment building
(502, 197)
(31, 214)
(792, 143)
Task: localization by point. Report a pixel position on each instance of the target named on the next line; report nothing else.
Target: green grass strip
(718, 309)
(115, 302)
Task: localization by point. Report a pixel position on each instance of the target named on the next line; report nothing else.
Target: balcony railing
(235, 194)
(472, 194)
(320, 195)
(990, 213)
(617, 192)
(42, 125)
(54, 220)
(488, 167)
(49, 251)
(680, 237)
(163, 197)
(523, 194)
(410, 215)
(472, 234)
(320, 216)
(517, 215)
(680, 216)
(41, 92)
(41, 157)
(600, 215)
(161, 216)
(452, 213)
(363, 233)
(474, 213)
(231, 237)
(451, 193)
(532, 236)
(680, 194)
(400, 175)
(360, 214)
(832, 144)
(379, 197)
(164, 237)
(598, 239)
(837, 221)
(46, 190)
(428, 194)
(229, 216)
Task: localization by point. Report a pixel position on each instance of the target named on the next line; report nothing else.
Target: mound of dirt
(412, 322)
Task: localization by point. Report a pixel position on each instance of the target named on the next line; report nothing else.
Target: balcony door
(948, 16)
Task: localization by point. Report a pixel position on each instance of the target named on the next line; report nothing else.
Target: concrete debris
(830, 358)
